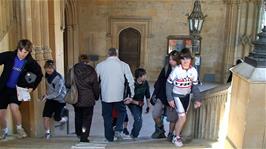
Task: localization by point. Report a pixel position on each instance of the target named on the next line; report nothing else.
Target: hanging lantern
(196, 19)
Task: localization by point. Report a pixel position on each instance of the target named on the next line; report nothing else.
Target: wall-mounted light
(196, 19)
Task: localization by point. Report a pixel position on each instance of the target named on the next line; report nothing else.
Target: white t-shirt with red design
(183, 79)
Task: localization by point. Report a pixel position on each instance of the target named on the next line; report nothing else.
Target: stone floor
(71, 142)
(62, 140)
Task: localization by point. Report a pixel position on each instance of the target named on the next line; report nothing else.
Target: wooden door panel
(129, 47)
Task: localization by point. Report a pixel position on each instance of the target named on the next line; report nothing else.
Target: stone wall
(168, 17)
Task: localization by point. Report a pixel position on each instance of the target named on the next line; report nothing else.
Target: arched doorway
(129, 47)
(70, 36)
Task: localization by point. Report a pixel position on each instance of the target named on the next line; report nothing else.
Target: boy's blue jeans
(136, 112)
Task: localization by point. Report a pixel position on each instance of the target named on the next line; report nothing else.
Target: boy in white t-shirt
(181, 82)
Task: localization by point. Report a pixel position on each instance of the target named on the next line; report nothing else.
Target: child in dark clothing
(135, 105)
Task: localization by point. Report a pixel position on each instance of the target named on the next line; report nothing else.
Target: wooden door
(129, 47)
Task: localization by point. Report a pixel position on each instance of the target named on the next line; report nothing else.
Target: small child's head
(140, 74)
(49, 67)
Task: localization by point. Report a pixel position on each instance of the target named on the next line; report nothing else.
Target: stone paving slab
(72, 142)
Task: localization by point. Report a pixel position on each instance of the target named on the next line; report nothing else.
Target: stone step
(71, 142)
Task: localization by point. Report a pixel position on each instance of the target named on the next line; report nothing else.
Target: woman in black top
(159, 99)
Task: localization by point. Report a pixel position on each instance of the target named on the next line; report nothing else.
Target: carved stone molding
(142, 24)
(39, 53)
(72, 29)
(242, 20)
(230, 2)
(47, 53)
(128, 21)
(246, 39)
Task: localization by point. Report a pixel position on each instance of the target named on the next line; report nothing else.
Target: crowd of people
(113, 83)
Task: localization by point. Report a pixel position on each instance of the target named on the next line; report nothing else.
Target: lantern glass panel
(190, 25)
(196, 24)
(200, 25)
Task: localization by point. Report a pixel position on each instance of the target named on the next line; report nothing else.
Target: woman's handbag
(72, 93)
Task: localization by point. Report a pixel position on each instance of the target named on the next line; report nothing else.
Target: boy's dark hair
(84, 58)
(139, 72)
(24, 44)
(112, 52)
(175, 56)
(49, 64)
(185, 53)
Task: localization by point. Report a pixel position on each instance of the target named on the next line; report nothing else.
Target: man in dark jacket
(88, 92)
(20, 69)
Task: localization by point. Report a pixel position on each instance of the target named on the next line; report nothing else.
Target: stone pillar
(58, 28)
(44, 22)
(33, 25)
(240, 30)
(39, 56)
(247, 117)
(72, 33)
(36, 103)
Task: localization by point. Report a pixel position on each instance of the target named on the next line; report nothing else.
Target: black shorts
(182, 104)
(8, 96)
(53, 108)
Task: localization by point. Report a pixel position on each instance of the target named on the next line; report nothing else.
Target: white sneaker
(3, 135)
(118, 135)
(177, 142)
(47, 136)
(21, 133)
(62, 122)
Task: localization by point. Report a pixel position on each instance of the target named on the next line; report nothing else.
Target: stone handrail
(206, 122)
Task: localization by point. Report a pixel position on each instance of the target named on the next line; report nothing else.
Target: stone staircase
(67, 139)
(71, 142)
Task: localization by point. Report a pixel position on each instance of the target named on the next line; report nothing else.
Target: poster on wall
(178, 43)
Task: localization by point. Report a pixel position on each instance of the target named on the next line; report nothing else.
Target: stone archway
(143, 25)
(71, 49)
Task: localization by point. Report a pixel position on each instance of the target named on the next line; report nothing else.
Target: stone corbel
(108, 35)
(257, 2)
(69, 27)
(47, 53)
(39, 54)
(231, 2)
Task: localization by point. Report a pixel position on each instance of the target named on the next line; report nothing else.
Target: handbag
(71, 96)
